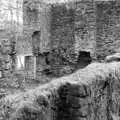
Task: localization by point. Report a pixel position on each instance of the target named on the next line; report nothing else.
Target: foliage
(90, 89)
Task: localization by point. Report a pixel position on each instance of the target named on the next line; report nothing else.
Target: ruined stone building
(61, 36)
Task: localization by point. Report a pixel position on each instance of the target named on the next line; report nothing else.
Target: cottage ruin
(56, 33)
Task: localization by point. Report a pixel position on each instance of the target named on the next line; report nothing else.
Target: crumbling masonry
(57, 33)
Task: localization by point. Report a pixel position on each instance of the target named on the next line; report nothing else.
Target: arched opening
(36, 42)
(84, 58)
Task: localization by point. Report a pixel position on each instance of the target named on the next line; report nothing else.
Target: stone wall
(36, 17)
(108, 28)
(36, 20)
(72, 30)
(62, 26)
(85, 27)
(56, 25)
(68, 28)
(73, 26)
(62, 35)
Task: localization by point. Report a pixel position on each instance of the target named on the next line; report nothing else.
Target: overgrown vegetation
(91, 93)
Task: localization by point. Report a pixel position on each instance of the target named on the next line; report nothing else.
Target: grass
(35, 104)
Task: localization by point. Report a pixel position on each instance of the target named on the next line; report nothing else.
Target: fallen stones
(114, 57)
